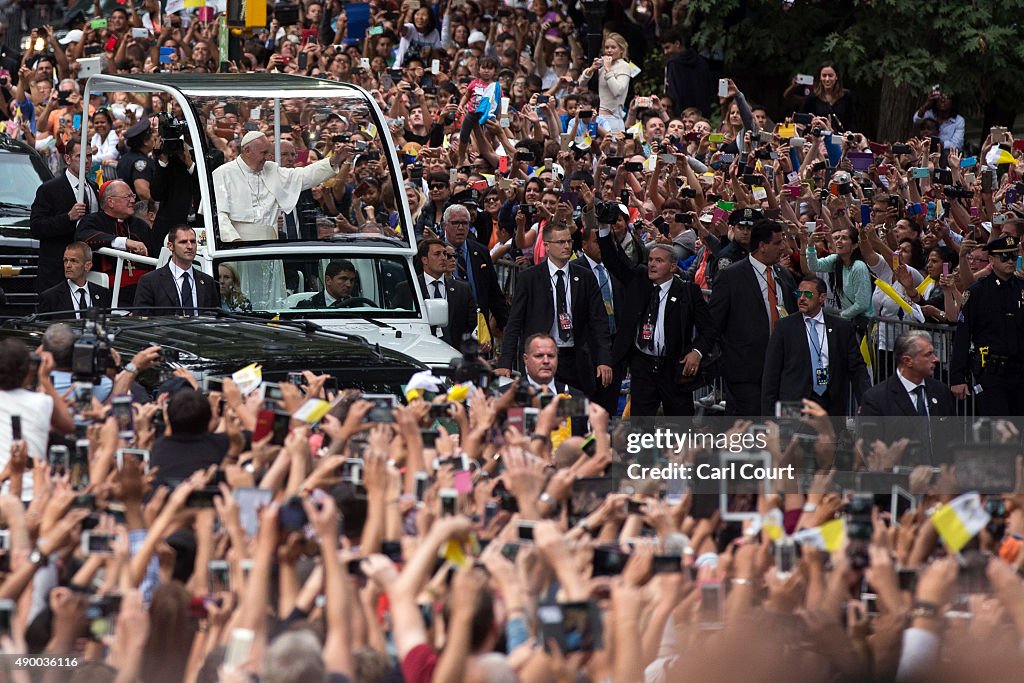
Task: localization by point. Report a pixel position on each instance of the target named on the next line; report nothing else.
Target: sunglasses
(438, 186)
(805, 294)
(1005, 258)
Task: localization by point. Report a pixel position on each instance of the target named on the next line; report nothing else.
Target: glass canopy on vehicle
(299, 110)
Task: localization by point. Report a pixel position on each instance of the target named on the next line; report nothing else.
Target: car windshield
(302, 200)
(307, 286)
(19, 179)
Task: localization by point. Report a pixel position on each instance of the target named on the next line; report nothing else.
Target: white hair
(453, 209)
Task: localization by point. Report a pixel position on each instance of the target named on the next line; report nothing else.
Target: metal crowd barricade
(942, 339)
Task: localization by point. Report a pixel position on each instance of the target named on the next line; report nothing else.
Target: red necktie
(773, 298)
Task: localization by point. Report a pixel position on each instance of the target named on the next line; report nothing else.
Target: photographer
(175, 184)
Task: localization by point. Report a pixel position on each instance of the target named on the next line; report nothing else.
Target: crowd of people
(613, 243)
(520, 146)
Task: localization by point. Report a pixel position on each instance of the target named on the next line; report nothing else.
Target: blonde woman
(613, 78)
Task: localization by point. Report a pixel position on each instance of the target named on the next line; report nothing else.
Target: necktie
(437, 289)
(561, 310)
(922, 406)
(83, 303)
(815, 344)
(291, 226)
(606, 294)
(646, 333)
(773, 297)
(187, 309)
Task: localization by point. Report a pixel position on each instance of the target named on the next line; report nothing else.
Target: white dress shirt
(74, 297)
(552, 270)
(911, 390)
(659, 321)
(760, 272)
(90, 196)
(429, 280)
(821, 341)
(550, 386)
(177, 273)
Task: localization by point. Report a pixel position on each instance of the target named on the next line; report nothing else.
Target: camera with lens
(91, 357)
(172, 133)
(607, 212)
(471, 367)
(816, 131)
(958, 192)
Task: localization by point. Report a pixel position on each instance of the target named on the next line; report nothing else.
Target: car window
(19, 179)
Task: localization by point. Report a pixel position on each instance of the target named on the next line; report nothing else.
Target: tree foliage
(970, 47)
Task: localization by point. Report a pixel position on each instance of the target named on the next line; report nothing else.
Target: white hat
(251, 136)
(73, 36)
(476, 37)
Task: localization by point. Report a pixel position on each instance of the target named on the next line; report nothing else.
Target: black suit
(608, 397)
(533, 311)
(177, 190)
(653, 382)
(461, 309)
(158, 290)
(489, 297)
(58, 298)
(49, 223)
(743, 328)
(788, 369)
(884, 410)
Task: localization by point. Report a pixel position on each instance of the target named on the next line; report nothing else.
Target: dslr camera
(607, 212)
(91, 357)
(172, 133)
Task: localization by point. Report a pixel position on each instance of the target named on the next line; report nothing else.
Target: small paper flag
(958, 521)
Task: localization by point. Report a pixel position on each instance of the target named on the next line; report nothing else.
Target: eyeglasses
(561, 243)
(458, 222)
(804, 293)
(122, 196)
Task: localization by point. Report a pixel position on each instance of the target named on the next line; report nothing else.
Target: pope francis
(251, 191)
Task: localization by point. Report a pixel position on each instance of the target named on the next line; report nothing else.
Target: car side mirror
(437, 312)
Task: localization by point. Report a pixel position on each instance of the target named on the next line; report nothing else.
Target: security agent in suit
(473, 265)
(612, 296)
(748, 299)
(992, 321)
(562, 299)
(55, 215)
(432, 256)
(909, 392)
(341, 283)
(178, 288)
(75, 294)
(813, 355)
(657, 315)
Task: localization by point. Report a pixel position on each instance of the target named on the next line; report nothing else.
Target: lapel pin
(935, 400)
(672, 299)
(575, 278)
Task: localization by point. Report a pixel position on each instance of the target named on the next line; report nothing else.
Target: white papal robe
(248, 207)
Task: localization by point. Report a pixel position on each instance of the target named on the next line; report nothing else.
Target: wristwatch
(38, 558)
(130, 367)
(924, 610)
(555, 506)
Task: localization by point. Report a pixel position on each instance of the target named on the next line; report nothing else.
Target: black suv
(22, 171)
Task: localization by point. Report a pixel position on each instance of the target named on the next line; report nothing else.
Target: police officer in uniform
(992, 322)
(740, 222)
(136, 168)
